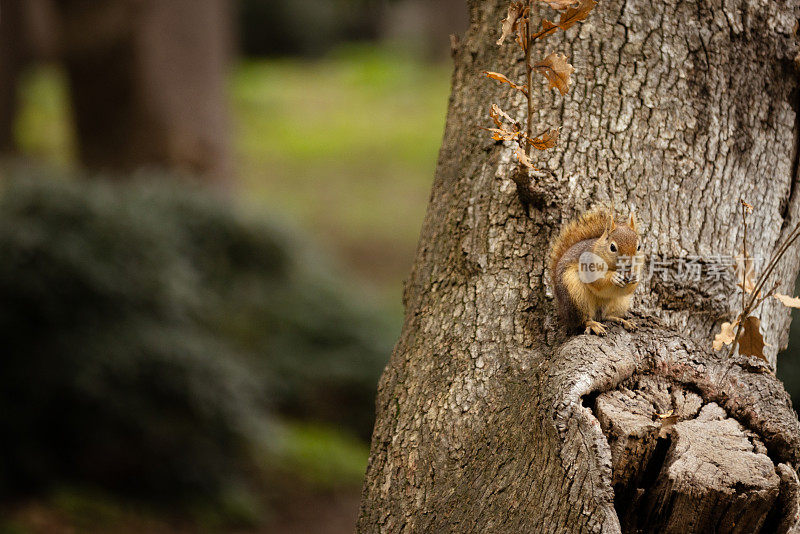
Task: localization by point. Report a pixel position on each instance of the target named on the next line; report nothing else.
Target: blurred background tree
(202, 273)
(207, 211)
(146, 78)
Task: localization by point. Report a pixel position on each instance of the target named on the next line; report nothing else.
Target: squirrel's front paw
(593, 327)
(618, 279)
(626, 324)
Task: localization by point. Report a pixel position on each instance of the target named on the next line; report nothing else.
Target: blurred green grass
(322, 456)
(43, 128)
(346, 147)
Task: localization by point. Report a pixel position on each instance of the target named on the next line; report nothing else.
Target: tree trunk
(148, 82)
(489, 417)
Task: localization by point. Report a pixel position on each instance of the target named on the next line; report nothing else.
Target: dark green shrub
(148, 332)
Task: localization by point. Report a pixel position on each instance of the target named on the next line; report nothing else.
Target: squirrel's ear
(632, 222)
(609, 225)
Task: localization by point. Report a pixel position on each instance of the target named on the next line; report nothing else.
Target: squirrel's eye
(613, 247)
(638, 247)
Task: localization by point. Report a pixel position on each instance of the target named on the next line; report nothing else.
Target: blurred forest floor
(343, 148)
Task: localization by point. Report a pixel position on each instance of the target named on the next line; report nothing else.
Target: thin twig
(748, 305)
(744, 250)
(766, 295)
(744, 280)
(529, 79)
(773, 262)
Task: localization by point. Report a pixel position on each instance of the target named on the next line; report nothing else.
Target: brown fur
(590, 225)
(579, 303)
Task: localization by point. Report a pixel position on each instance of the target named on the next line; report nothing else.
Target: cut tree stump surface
(685, 466)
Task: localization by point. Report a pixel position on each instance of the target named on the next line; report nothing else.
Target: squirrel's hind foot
(593, 327)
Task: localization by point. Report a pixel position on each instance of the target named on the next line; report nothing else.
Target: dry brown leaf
(520, 39)
(521, 28)
(557, 70)
(748, 286)
(548, 27)
(495, 117)
(496, 113)
(501, 134)
(726, 335)
(751, 342)
(787, 300)
(667, 421)
(523, 158)
(574, 15)
(546, 140)
(515, 11)
(560, 4)
(501, 78)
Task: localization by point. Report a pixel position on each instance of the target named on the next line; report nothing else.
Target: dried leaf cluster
(554, 67)
(745, 330)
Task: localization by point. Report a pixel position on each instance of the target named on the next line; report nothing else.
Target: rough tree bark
(489, 418)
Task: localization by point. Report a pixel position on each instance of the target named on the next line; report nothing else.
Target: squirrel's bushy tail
(589, 225)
